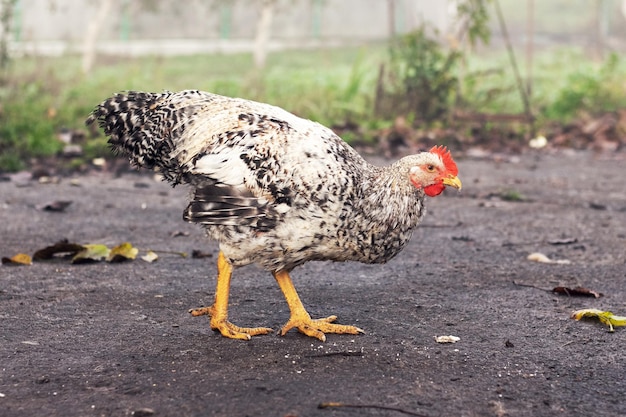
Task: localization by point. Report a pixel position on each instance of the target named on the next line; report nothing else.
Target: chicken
(274, 189)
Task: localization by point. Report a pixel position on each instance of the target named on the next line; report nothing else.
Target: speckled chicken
(274, 189)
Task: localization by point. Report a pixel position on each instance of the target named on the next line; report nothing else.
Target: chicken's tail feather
(141, 125)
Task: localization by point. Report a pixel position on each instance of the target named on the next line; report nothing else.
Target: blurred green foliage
(26, 128)
(591, 91)
(422, 81)
(41, 96)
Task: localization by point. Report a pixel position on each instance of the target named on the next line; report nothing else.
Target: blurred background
(389, 76)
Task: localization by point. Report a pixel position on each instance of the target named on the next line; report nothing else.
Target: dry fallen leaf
(538, 142)
(541, 258)
(99, 162)
(447, 339)
(122, 252)
(150, 256)
(605, 317)
(89, 253)
(577, 291)
(564, 241)
(143, 412)
(61, 248)
(19, 259)
(57, 206)
(198, 254)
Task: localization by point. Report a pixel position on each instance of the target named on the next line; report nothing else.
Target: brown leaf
(57, 206)
(62, 248)
(577, 292)
(19, 259)
(198, 254)
(597, 206)
(565, 241)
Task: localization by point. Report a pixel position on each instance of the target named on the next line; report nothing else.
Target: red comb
(446, 157)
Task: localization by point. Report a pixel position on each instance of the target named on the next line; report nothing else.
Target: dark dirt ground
(116, 339)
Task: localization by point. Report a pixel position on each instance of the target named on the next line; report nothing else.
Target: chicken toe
(317, 327)
(226, 328)
(218, 312)
(300, 318)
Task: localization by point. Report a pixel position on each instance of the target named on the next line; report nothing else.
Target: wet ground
(116, 339)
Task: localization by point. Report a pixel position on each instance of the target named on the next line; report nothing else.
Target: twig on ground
(167, 252)
(372, 406)
(340, 353)
(531, 286)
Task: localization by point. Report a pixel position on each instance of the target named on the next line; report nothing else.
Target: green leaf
(91, 253)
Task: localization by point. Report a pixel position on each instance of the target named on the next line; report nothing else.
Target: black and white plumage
(272, 188)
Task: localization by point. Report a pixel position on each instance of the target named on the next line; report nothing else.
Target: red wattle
(434, 189)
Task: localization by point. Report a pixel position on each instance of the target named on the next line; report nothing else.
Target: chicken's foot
(218, 312)
(300, 318)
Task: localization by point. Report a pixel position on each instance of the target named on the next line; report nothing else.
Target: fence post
(530, 30)
(125, 22)
(226, 18)
(317, 19)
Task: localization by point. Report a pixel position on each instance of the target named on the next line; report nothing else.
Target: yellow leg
(301, 320)
(219, 310)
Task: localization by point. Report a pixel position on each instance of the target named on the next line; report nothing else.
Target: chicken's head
(433, 170)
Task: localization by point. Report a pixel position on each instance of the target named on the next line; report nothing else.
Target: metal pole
(226, 18)
(17, 20)
(391, 18)
(125, 23)
(602, 26)
(518, 77)
(317, 19)
(530, 30)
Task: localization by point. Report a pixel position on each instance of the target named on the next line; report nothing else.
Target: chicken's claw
(201, 311)
(218, 312)
(318, 327)
(226, 328)
(300, 318)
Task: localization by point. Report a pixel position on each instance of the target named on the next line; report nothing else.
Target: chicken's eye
(430, 168)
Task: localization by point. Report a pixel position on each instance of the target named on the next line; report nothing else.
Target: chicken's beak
(453, 181)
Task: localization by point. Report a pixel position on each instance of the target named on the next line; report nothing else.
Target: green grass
(565, 84)
(38, 96)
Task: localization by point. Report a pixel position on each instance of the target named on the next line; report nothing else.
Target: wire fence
(54, 27)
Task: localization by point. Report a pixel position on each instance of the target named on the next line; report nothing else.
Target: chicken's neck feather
(389, 198)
